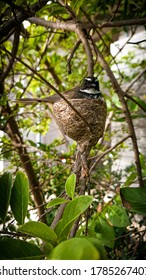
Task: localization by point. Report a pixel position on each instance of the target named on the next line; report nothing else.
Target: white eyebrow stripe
(90, 91)
(91, 79)
(88, 79)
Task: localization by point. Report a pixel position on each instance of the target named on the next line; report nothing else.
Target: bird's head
(90, 87)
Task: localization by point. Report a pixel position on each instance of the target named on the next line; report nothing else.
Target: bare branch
(135, 101)
(70, 57)
(116, 10)
(70, 26)
(121, 23)
(107, 151)
(138, 42)
(59, 214)
(90, 62)
(13, 132)
(82, 36)
(135, 80)
(87, 25)
(14, 52)
(25, 14)
(120, 94)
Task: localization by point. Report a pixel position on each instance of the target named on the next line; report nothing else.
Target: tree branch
(20, 16)
(138, 42)
(107, 151)
(121, 23)
(70, 26)
(120, 94)
(13, 54)
(82, 36)
(70, 57)
(12, 131)
(85, 42)
(26, 13)
(135, 80)
(135, 101)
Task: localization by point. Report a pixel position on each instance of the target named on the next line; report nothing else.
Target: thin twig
(136, 43)
(116, 10)
(75, 226)
(135, 80)
(82, 36)
(13, 54)
(135, 101)
(98, 158)
(59, 214)
(70, 57)
(107, 125)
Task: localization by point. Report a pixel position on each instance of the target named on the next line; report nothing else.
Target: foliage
(37, 185)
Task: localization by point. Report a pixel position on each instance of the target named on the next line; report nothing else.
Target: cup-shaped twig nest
(92, 110)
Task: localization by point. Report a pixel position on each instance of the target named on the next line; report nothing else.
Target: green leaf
(116, 101)
(117, 216)
(130, 179)
(132, 106)
(55, 9)
(70, 185)
(20, 197)
(13, 249)
(136, 198)
(72, 211)
(19, 85)
(77, 4)
(99, 247)
(56, 201)
(41, 230)
(140, 102)
(104, 232)
(5, 193)
(75, 249)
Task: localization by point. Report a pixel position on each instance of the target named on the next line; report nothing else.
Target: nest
(92, 110)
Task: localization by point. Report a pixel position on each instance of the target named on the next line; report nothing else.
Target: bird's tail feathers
(29, 101)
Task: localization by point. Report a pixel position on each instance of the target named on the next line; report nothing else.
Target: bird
(81, 116)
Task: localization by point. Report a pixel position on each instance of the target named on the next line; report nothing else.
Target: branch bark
(70, 26)
(98, 158)
(26, 14)
(12, 131)
(13, 54)
(120, 94)
(82, 36)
